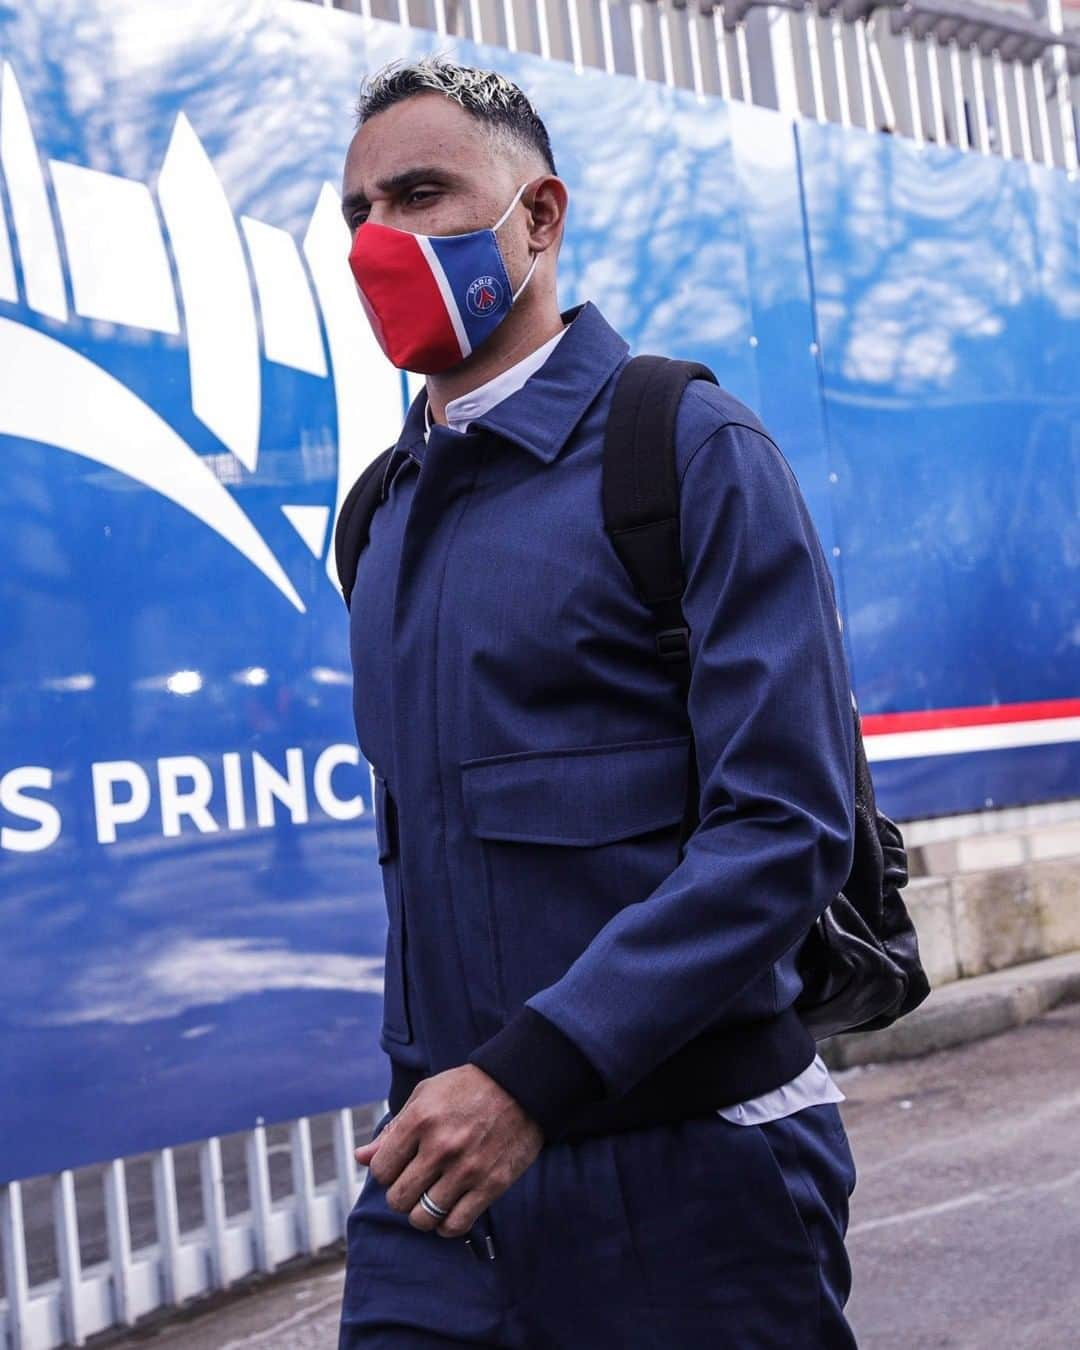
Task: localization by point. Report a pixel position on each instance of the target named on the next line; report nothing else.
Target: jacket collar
(541, 415)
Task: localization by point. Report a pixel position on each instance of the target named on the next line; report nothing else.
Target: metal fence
(146, 1253)
(979, 78)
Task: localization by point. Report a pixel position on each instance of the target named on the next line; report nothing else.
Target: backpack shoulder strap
(641, 492)
(641, 507)
(354, 521)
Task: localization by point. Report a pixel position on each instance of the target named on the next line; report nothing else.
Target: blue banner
(190, 907)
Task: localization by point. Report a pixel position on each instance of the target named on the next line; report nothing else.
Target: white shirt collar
(466, 408)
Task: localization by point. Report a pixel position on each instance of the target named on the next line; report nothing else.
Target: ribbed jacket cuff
(541, 1068)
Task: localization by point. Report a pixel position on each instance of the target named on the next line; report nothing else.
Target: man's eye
(418, 194)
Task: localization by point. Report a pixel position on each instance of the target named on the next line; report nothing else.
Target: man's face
(427, 166)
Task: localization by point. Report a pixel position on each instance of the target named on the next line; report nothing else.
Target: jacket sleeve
(770, 709)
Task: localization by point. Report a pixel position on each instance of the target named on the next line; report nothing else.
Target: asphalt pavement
(965, 1221)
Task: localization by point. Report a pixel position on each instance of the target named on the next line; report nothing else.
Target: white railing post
(956, 78)
(1060, 67)
(866, 93)
(693, 38)
(167, 1220)
(68, 1259)
(16, 1281)
(979, 87)
(723, 56)
(839, 54)
(779, 22)
(888, 108)
(212, 1181)
(607, 41)
(911, 79)
(1023, 112)
(746, 89)
(817, 86)
(258, 1178)
(1042, 112)
(118, 1241)
(303, 1181)
(933, 71)
(1001, 107)
(344, 1163)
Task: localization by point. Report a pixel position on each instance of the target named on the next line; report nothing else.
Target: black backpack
(860, 961)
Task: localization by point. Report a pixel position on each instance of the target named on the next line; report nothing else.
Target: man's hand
(463, 1139)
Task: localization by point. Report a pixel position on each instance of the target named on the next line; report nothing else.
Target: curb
(963, 1011)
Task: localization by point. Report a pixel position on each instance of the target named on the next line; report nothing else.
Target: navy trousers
(702, 1233)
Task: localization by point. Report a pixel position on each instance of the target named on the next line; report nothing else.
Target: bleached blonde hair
(485, 94)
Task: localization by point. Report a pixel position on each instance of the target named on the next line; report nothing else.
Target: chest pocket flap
(578, 796)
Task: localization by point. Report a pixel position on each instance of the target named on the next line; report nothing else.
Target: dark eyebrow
(399, 182)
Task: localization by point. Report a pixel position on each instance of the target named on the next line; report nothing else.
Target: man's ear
(546, 200)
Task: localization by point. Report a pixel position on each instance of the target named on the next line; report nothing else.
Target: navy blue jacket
(529, 755)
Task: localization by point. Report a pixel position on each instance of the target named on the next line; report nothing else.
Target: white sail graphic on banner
(115, 261)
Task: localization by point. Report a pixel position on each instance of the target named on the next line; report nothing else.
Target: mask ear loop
(528, 274)
(517, 197)
(502, 219)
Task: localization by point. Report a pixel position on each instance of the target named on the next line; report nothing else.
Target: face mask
(433, 298)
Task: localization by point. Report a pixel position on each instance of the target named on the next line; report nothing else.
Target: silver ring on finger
(430, 1207)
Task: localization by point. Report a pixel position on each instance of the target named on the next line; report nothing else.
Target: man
(608, 1127)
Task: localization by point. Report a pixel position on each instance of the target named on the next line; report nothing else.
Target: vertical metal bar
(1071, 146)
(213, 1203)
(440, 17)
(880, 80)
(836, 24)
(345, 1163)
(782, 52)
(606, 40)
(1001, 107)
(933, 71)
(403, 13)
(637, 38)
(575, 35)
(888, 108)
(723, 65)
(1023, 112)
(693, 35)
(303, 1180)
(510, 23)
(68, 1258)
(981, 122)
(956, 76)
(16, 1280)
(365, 9)
(1046, 148)
(866, 93)
(543, 32)
(118, 1241)
(667, 56)
(745, 86)
(911, 79)
(168, 1224)
(476, 22)
(258, 1176)
(1062, 88)
(816, 84)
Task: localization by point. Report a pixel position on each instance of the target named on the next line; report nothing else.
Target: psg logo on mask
(483, 295)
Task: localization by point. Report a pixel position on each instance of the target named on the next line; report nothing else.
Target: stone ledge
(963, 1011)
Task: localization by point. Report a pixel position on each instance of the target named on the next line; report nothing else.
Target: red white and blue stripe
(431, 299)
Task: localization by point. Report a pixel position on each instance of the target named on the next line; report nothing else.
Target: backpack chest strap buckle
(673, 644)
